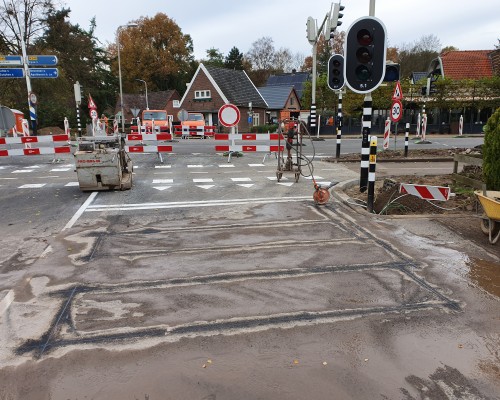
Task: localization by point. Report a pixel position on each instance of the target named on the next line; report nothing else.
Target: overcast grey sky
(222, 24)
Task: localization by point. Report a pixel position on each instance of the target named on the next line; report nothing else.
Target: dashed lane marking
(32, 186)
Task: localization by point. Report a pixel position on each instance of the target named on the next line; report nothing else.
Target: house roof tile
(469, 64)
(236, 86)
(276, 96)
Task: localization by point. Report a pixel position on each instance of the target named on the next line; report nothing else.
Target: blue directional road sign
(42, 60)
(11, 73)
(43, 72)
(11, 60)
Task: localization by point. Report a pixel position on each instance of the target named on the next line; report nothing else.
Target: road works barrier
(186, 132)
(35, 145)
(268, 148)
(134, 143)
(426, 192)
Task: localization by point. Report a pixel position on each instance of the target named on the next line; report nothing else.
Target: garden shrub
(491, 152)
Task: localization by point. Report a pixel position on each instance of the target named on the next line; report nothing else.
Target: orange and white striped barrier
(426, 192)
(30, 140)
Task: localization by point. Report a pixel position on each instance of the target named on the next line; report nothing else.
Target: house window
(291, 101)
(202, 94)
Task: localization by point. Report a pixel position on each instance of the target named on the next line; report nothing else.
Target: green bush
(491, 152)
(264, 128)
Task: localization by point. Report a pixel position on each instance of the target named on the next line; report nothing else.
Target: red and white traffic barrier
(426, 192)
(387, 133)
(266, 137)
(30, 140)
(133, 147)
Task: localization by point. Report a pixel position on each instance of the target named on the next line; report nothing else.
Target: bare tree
(22, 19)
(262, 54)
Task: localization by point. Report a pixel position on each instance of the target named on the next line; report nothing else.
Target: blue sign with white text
(11, 60)
(11, 73)
(42, 60)
(43, 72)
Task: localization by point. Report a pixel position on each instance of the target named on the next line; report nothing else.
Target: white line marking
(191, 204)
(59, 169)
(157, 181)
(21, 171)
(163, 166)
(195, 166)
(80, 211)
(6, 301)
(72, 184)
(241, 179)
(246, 185)
(203, 180)
(206, 186)
(32, 186)
(256, 165)
(285, 183)
(161, 188)
(226, 166)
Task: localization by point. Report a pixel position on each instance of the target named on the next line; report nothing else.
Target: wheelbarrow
(490, 222)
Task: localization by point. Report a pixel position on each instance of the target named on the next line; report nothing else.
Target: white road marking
(72, 184)
(59, 169)
(195, 166)
(191, 204)
(163, 166)
(206, 186)
(21, 171)
(203, 180)
(80, 211)
(157, 181)
(241, 179)
(226, 166)
(32, 186)
(256, 165)
(162, 188)
(245, 185)
(285, 183)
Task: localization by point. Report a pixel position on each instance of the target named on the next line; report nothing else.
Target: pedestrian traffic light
(336, 72)
(334, 20)
(391, 72)
(365, 54)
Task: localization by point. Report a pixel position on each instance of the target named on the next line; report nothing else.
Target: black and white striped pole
(365, 142)
(371, 174)
(407, 134)
(78, 100)
(339, 125)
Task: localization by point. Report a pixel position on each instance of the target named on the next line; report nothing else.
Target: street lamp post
(146, 85)
(120, 70)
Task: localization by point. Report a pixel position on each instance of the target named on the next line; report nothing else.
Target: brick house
(212, 87)
(283, 102)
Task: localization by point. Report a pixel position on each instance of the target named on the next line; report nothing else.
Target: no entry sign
(229, 115)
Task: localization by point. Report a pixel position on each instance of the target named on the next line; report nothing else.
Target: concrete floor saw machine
(103, 164)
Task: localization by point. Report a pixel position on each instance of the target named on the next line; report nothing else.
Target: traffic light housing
(311, 30)
(391, 72)
(334, 20)
(365, 54)
(430, 88)
(336, 72)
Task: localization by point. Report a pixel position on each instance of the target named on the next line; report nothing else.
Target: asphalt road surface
(210, 279)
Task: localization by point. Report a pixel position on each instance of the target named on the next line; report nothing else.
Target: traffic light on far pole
(336, 72)
(365, 54)
(334, 20)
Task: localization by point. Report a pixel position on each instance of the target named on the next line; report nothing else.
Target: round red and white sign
(396, 111)
(229, 115)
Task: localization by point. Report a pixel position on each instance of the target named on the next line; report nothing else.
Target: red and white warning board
(398, 92)
(439, 193)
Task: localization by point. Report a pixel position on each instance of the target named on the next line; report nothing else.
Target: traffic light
(333, 21)
(391, 72)
(78, 92)
(431, 86)
(336, 72)
(365, 54)
(311, 30)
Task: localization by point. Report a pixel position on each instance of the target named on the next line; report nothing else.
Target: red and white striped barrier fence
(148, 129)
(186, 131)
(30, 140)
(134, 143)
(267, 137)
(426, 192)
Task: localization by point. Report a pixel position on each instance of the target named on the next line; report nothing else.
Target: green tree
(234, 59)
(491, 150)
(156, 51)
(214, 58)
